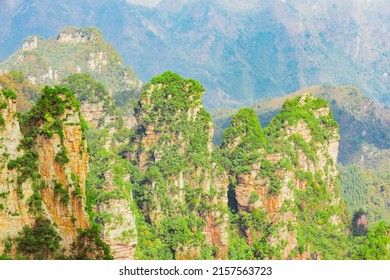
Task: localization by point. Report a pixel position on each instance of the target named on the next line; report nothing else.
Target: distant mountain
(73, 50)
(241, 51)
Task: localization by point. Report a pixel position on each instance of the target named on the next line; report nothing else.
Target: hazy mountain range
(240, 51)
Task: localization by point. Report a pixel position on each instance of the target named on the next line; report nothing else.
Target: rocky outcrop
(65, 208)
(71, 35)
(43, 172)
(14, 209)
(297, 181)
(279, 183)
(181, 183)
(31, 43)
(114, 210)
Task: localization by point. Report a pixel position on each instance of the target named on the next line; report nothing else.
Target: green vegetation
(50, 106)
(40, 241)
(61, 157)
(89, 245)
(303, 109)
(366, 189)
(62, 192)
(242, 142)
(170, 106)
(43, 119)
(17, 76)
(245, 147)
(373, 246)
(8, 93)
(46, 119)
(86, 88)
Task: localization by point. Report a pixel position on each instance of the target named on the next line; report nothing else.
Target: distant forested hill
(241, 51)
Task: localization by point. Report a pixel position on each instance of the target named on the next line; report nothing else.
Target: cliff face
(179, 190)
(288, 181)
(14, 212)
(45, 165)
(65, 175)
(109, 180)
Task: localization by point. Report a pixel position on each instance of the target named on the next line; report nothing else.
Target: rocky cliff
(45, 166)
(285, 193)
(178, 188)
(108, 183)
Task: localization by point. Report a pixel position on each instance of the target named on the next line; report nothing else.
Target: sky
(148, 3)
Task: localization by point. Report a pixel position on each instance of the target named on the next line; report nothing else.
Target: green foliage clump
(303, 108)
(8, 93)
(170, 94)
(50, 106)
(86, 88)
(314, 223)
(246, 126)
(89, 245)
(374, 246)
(35, 200)
(7, 242)
(171, 107)
(62, 157)
(241, 142)
(63, 192)
(268, 171)
(27, 166)
(39, 242)
(261, 228)
(17, 76)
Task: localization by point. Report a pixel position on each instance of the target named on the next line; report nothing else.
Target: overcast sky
(149, 3)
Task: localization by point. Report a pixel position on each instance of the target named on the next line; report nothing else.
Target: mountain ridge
(240, 53)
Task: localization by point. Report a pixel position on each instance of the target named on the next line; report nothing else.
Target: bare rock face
(31, 43)
(69, 216)
(92, 112)
(75, 37)
(120, 232)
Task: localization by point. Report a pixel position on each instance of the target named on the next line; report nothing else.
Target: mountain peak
(79, 35)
